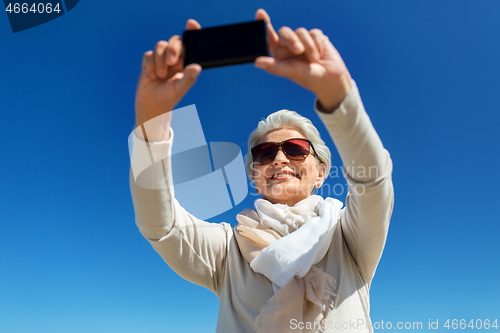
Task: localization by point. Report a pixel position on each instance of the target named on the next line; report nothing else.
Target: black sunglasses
(295, 149)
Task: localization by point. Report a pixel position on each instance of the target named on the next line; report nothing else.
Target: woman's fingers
(319, 40)
(289, 68)
(289, 39)
(159, 59)
(186, 79)
(174, 51)
(148, 65)
(166, 56)
(192, 25)
(272, 36)
(310, 47)
(299, 42)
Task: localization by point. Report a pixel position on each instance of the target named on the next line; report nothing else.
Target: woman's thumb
(189, 77)
(280, 68)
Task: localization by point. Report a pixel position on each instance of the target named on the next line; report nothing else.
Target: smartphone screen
(225, 45)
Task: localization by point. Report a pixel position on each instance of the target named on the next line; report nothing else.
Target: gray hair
(288, 119)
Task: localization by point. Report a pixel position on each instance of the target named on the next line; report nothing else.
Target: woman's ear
(321, 175)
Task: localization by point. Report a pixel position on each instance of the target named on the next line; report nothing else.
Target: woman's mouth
(284, 175)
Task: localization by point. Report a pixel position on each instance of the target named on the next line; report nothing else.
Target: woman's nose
(280, 157)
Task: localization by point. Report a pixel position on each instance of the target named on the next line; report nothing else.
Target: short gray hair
(288, 119)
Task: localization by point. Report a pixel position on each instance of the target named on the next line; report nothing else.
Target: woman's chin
(285, 193)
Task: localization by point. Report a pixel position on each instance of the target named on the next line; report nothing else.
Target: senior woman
(295, 262)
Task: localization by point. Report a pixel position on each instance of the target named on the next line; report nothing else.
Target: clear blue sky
(72, 259)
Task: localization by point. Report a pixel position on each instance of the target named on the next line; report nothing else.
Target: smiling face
(285, 181)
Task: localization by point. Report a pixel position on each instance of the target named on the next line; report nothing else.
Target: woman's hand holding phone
(307, 58)
(163, 82)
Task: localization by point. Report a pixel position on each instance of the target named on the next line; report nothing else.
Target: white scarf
(308, 227)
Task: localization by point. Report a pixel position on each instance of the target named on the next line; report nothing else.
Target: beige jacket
(207, 253)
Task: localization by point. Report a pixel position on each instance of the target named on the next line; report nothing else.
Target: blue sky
(72, 259)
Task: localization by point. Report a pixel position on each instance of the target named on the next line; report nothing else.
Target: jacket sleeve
(367, 169)
(193, 248)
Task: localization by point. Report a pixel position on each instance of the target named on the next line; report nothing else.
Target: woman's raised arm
(309, 59)
(194, 249)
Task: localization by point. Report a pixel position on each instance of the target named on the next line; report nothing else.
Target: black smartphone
(225, 45)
